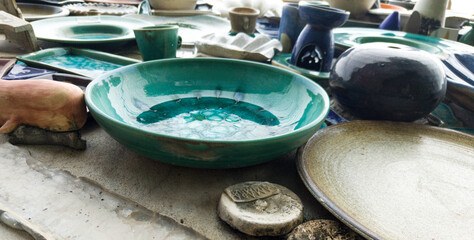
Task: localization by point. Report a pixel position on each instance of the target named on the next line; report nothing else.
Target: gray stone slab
(53, 204)
(187, 196)
(9, 233)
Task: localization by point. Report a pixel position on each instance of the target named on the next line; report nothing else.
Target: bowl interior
(208, 99)
(93, 31)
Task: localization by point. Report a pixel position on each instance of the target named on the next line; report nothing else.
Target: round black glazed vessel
(387, 81)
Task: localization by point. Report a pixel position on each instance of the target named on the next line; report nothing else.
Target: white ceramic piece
(433, 9)
(101, 8)
(241, 46)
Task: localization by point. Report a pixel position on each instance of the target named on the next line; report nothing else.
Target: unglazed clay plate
(33, 12)
(392, 180)
(88, 30)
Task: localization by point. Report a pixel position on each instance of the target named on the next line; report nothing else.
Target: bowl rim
(322, 116)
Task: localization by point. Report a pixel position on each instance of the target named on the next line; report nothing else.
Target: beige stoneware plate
(391, 180)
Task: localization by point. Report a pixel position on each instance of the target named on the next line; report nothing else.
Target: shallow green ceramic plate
(208, 112)
(84, 62)
(345, 38)
(88, 29)
(390, 180)
(283, 61)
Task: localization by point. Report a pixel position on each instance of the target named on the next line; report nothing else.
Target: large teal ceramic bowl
(207, 112)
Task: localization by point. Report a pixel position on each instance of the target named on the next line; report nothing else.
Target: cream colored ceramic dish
(392, 180)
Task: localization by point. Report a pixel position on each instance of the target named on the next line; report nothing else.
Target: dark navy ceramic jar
(387, 81)
(314, 48)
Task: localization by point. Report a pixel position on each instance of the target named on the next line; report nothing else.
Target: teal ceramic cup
(158, 42)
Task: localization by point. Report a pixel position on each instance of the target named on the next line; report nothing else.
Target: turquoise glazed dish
(84, 62)
(207, 112)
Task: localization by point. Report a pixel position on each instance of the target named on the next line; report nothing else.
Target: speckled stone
(323, 230)
(260, 208)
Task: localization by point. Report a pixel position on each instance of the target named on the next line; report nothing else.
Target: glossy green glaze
(468, 38)
(88, 30)
(84, 62)
(283, 61)
(208, 112)
(158, 42)
(346, 38)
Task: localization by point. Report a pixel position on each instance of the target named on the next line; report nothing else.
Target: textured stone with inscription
(260, 208)
(250, 191)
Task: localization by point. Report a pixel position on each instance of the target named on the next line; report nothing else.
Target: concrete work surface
(110, 192)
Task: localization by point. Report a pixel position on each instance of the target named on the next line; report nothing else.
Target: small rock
(323, 230)
(37, 136)
(260, 208)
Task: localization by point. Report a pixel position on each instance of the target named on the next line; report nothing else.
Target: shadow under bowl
(207, 112)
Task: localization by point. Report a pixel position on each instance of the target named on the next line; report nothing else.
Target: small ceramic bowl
(243, 19)
(207, 112)
(173, 4)
(356, 7)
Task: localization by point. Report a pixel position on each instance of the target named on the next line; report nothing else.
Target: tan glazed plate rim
(319, 191)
